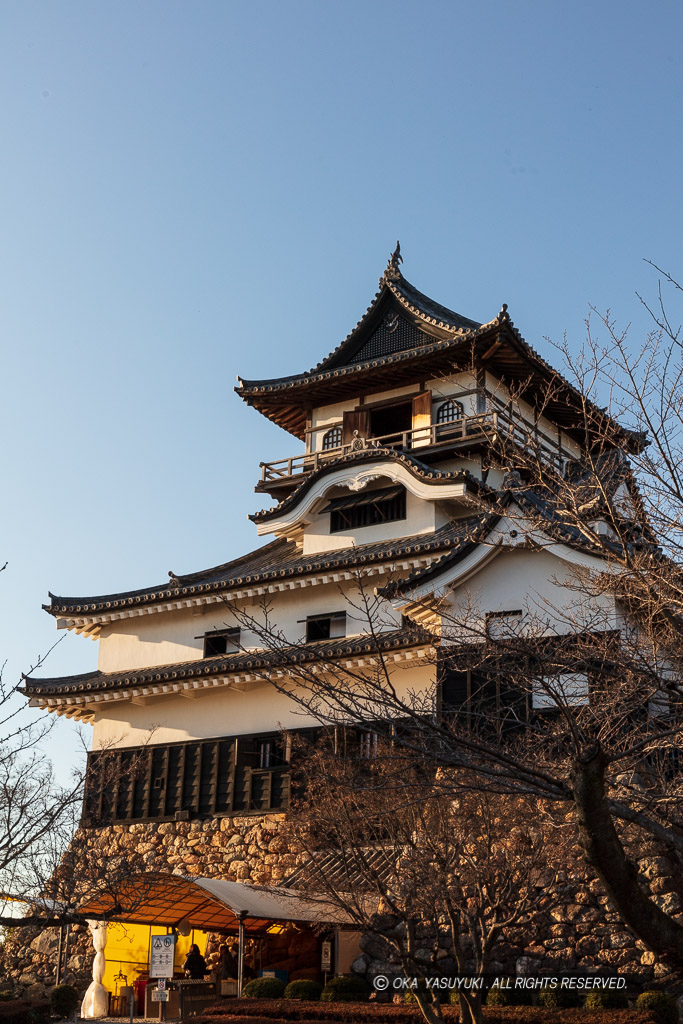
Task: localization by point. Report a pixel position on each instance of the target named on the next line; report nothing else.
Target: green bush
(264, 988)
(557, 998)
(661, 1006)
(509, 996)
(411, 994)
(499, 997)
(63, 1000)
(345, 989)
(304, 989)
(608, 999)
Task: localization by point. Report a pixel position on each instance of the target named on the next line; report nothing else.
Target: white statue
(96, 999)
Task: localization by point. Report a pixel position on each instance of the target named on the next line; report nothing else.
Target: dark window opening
(391, 419)
(325, 627)
(221, 641)
(369, 510)
(504, 625)
(449, 411)
(332, 439)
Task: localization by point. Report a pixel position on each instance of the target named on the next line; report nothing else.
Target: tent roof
(209, 904)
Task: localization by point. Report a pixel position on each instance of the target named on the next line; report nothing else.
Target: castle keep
(190, 756)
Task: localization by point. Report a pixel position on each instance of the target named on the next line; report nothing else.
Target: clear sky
(195, 190)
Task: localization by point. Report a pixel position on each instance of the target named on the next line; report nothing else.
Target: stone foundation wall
(583, 932)
(243, 849)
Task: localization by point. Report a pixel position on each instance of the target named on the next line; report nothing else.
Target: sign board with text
(326, 956)
(161, 956)
(159, 995)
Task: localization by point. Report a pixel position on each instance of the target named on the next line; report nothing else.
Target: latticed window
(332, 439)
(449, 411)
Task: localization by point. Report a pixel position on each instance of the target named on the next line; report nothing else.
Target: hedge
(25, 1011)
(275, 1011)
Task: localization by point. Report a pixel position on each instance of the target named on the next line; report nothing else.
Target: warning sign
(161, 956)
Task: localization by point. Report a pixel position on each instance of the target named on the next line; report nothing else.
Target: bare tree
(580, 701)
(38, 814)
(436, 880)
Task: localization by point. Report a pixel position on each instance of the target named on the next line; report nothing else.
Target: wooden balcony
(425, 441)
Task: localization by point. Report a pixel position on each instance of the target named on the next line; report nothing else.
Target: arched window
(332, 439)
(449, 411)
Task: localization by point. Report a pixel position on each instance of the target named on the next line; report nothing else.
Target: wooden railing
(496, 421)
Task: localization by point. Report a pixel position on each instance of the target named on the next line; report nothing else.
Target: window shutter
(422, 419)
(358, 419)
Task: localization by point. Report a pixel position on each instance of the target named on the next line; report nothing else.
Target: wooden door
(422, 419)
(357, 419)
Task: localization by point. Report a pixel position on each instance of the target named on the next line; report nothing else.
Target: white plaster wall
(420, 518)
(535, 582)
(168, 637)
(222, 712)
(450, 386)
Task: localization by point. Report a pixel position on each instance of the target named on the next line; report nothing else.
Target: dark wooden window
(356, 420)
(196, 779)
(325, 627)
(449, 411)
(332, 439)
(221, 641)
(368, 510)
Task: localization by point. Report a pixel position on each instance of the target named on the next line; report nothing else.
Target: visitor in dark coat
(195, 964)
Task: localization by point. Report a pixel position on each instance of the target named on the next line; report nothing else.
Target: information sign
(162, 953)
(326, 956)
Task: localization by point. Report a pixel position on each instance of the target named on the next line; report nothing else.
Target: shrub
(606, 1000)
(63, 1000)
(304, 989)
(345, 990)
(557, 998)
(498, 997)
(661, 1006)
(411, 995)
(264, 988)
(512, 996)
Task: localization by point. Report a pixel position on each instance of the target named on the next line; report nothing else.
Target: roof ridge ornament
(393, 272)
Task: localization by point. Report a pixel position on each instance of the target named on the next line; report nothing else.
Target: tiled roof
(274, 561)
(473, 530)
(300, 654)
(545, 511)
(432, 340)
(414, 466)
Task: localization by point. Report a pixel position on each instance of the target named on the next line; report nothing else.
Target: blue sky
(191, 191)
